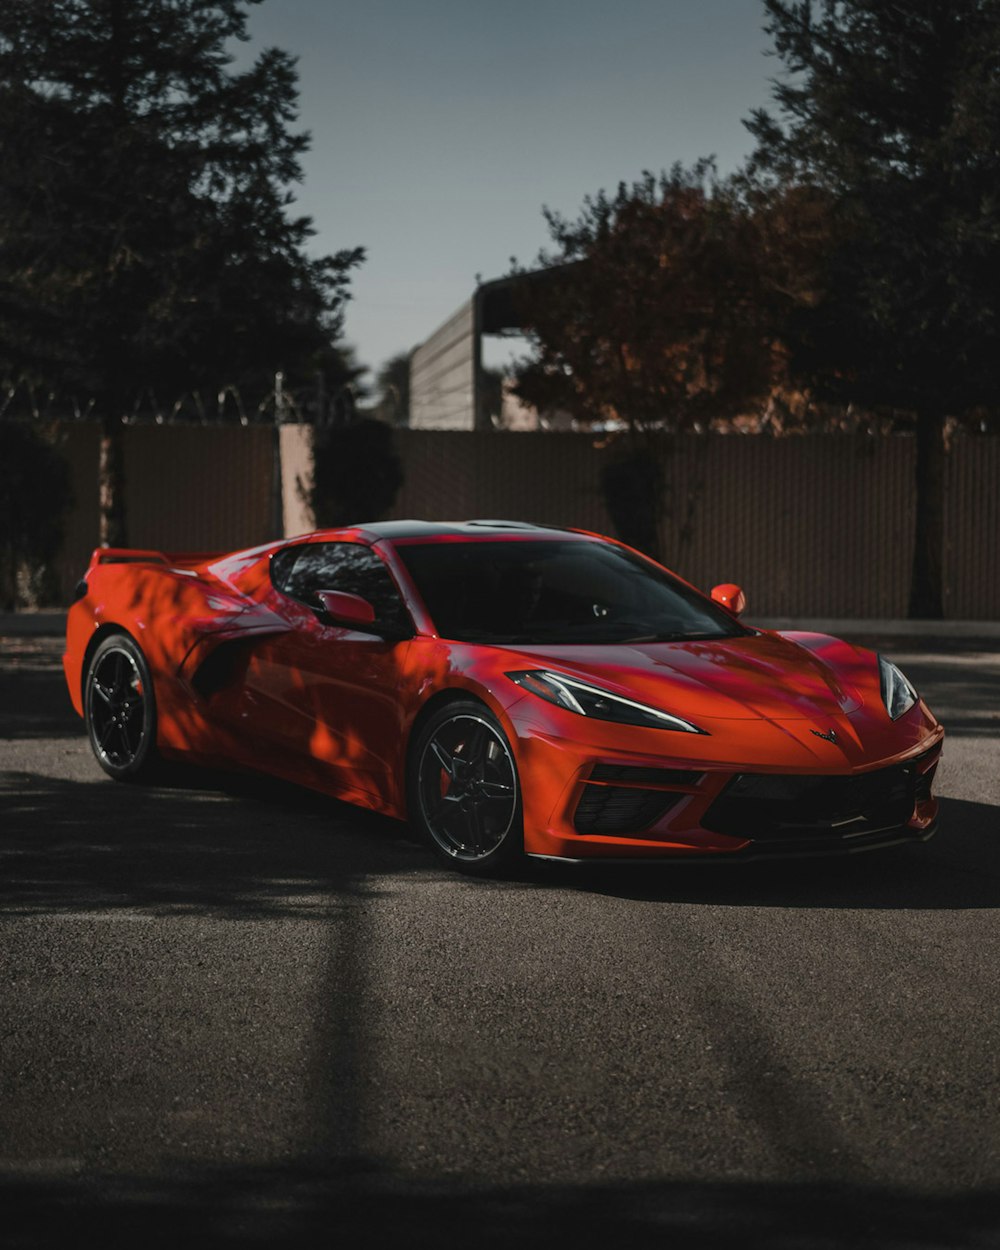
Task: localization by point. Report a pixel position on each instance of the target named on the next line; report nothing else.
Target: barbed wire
(311, 403)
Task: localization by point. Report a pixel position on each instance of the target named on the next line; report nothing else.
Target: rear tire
(463, 791)
(120, 709)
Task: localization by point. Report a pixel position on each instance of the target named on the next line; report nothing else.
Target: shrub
(35, 496)
(356, 473)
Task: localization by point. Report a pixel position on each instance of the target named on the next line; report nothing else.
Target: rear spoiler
(137, 555)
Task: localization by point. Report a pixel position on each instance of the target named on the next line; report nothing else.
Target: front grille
(649, 776)
(621, 809)
(766, 806)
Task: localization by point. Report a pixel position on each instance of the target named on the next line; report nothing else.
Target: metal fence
(187, 488)
(818, 525)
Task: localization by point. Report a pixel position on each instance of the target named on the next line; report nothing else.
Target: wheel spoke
(475, 747)
(125, 751)
(102, 693)
(497, 790)
(130, 747)
(474, 823)
(446, 806)
(446, 761)
(119, 675)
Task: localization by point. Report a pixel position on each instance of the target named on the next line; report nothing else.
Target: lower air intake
(772, 806)
(621, 809)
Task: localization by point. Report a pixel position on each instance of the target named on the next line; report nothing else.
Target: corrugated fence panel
(816, 525)
(199, 488)
(548, 478)
(79, 443)
(972, 530)
(810, 526)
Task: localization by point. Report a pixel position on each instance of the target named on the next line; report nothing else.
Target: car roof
(431, 531)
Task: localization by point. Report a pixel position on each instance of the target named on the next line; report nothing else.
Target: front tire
(120, 709)
(463, 790)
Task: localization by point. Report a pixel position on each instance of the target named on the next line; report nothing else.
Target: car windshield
(560, 591)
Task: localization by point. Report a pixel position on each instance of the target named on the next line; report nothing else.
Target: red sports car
(509, 689)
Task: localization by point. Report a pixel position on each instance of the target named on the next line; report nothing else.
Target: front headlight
(577, 696)
(897, 693)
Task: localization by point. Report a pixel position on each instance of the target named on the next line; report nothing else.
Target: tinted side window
(300, 572)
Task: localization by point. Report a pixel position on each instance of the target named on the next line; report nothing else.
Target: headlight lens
(897, 693)
(577, 696)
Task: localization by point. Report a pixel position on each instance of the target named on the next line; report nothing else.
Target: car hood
(756, 676)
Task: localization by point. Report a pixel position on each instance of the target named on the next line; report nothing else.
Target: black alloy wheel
(120, 710)
(463, 789)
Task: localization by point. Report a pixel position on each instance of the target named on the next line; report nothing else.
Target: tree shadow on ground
(355, 1203)
(34, 701)
(198, 842)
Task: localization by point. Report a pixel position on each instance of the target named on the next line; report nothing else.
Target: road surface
(240, 1014)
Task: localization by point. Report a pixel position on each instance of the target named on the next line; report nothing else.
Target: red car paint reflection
(508, 689)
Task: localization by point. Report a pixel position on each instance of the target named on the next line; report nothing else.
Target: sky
(440, 128)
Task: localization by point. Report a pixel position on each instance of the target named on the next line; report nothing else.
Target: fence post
(277, 501)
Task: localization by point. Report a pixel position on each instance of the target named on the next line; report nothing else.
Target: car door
(326, 695)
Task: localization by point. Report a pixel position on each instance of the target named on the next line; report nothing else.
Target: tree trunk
(8, 577)
(634, 487)
(927, 582)
(111, 482)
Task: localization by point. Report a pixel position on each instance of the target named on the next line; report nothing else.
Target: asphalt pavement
(238, 1014)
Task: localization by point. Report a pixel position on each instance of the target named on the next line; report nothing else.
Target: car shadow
(958, 868)
(247, 845)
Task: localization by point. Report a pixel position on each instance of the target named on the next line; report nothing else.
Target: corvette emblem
(830, 737)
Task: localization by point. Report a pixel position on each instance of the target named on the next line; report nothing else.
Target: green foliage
(35, 497)
(356, 473)
(148, 242)
(654, 309)
(891, 111)
(660, 309)
(392, 387)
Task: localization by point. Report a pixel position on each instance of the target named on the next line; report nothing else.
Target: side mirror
(346, 609)
(731, 597)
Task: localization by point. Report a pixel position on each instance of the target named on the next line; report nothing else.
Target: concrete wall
(296, 478)
(442, 376)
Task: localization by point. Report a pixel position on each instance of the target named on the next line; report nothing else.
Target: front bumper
(612, 797)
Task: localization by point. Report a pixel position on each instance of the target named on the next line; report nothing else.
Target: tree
(148, 244)
(891, 112)
(658, 309)
(654, 311)
(35, 495)
(392, 387)
(356, 473)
